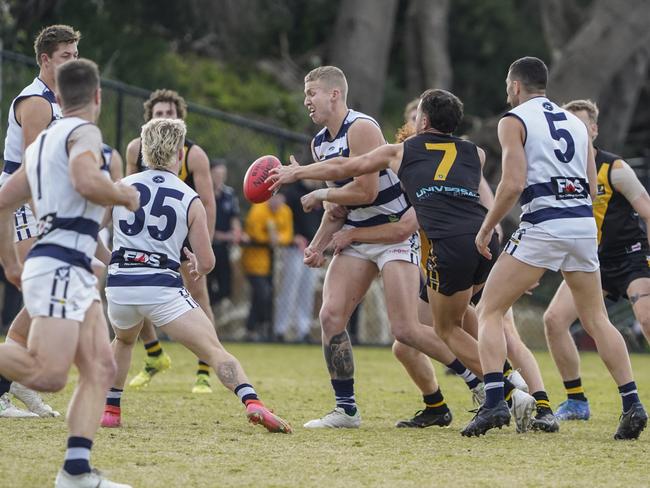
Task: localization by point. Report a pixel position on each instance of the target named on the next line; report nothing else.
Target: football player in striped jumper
(30, 112)
(144, 279)
(548, 164)
(441, 174)
(62, 175)
(623, 250)
(195, 172)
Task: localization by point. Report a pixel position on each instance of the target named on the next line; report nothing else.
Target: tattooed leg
(338, 357)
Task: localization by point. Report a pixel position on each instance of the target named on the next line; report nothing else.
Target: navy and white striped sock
(629, 395)
(113, 397)
(344, 393)
(246, 393)
(493, 389)
(459, 368)
(77, 456)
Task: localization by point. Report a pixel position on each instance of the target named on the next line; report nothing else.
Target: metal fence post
(118, 116)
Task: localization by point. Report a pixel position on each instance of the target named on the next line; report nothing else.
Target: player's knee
(553, 324)
(403, 333)
(402, 352)
(331, 320)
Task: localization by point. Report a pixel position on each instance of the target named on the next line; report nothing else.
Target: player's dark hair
(48, 40)
(530, 72)
(167, 96)
(443, 109)
(76, 83)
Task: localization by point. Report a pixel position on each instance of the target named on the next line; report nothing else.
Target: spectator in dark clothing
(227, 232)
(295, 300)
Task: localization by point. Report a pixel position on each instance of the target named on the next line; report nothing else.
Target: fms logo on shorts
(569, 188)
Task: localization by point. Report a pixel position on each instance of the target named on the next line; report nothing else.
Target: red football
(256, 190)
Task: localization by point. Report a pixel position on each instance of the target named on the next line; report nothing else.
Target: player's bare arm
(13, 193)
(132, 151)
(391, 233)
(513, 180)
(199, 166)
(88, 179)
(388, 155)
(625, 181)
(592, 173)
(202, 256)
(117, 166)
(33, 114)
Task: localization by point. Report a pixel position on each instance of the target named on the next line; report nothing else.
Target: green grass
(175, 439)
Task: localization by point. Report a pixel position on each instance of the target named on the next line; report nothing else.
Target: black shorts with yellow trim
(617, 274)
(186, 244)
(454, 264)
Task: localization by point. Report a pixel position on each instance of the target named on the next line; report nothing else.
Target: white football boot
(336, 419)
(32, 400)
(523, 406)
(94, 479)
(9, 410)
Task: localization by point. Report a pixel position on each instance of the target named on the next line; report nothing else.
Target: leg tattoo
(227, 373)
(338, 356)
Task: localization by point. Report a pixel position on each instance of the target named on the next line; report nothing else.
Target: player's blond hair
(332, 76)
(587, 105)
(49, 38)
(161, 141)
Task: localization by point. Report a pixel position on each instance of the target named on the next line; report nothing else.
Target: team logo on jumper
(569, 188)
(601, 189)
(158, 179)
(132, 258)
(547, 106)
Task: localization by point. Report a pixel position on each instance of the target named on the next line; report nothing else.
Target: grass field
(172, 438)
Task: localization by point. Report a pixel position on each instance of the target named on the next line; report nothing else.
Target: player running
(62, 175)
(144, 281)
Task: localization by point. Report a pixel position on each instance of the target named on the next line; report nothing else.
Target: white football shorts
(538, 248)
(53, 288)
(380, 254)
(124, 316)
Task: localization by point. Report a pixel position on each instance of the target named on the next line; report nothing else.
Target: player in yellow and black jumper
(623, 251)
(195, 171)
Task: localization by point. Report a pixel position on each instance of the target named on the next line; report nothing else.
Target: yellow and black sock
(204, 368)
(508, 388)
(541, 402)
(435, 402)
(153, 348)
(507, 368)
(574, 390)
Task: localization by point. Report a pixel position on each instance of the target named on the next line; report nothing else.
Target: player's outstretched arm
(199, 238)
(336, 168)
(13, 193)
